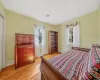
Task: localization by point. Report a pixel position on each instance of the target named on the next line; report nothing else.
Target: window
(71, 35)
(40, 41)
(40, 37)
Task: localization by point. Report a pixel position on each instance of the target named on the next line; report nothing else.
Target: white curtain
(44, 42)
(37, 52)
(67, 44)
(40, 48)
(76, 36)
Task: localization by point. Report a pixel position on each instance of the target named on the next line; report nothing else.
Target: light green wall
(20, 24)
(99, 23)
(88, 30)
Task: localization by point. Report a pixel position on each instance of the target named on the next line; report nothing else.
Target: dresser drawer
(24, 55)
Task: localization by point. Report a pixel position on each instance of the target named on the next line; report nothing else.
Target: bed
(77, 64)
(68, 66)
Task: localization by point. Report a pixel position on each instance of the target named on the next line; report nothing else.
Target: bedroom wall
(99, 23)
(88, 30)
(17, 23)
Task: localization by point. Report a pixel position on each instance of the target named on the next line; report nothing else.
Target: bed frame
(48, 72)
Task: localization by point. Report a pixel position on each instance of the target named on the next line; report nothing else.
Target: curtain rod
(72, 24)
(36, 26)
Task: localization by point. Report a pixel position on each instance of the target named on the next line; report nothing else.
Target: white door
(1, 42)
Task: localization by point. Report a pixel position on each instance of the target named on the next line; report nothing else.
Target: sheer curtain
(67, 43)
(43, 51)
(37, 52)
(40, 48)
(76, 36)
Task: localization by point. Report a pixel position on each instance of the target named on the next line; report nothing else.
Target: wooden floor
(29, 72)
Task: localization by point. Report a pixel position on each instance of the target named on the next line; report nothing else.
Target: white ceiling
(59, 10)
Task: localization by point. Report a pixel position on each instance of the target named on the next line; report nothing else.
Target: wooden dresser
(24, 49)
(53, 41)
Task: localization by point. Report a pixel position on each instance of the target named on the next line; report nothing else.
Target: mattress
(73, 64)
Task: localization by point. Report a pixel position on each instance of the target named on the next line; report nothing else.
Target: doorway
(53, 42)
(2, 41)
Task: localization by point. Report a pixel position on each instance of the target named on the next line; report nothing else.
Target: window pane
(71, 35)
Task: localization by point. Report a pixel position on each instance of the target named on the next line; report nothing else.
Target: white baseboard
(10, 63)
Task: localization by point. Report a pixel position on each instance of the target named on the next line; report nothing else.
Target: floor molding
(10, 63)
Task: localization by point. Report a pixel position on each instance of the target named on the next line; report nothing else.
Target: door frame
(49, 41)
(4, 39)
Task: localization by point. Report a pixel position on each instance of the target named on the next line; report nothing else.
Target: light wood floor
(29, 72)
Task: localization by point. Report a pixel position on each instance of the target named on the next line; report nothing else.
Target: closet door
(1, 42)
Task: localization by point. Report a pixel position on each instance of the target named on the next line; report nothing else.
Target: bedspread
(72, 64)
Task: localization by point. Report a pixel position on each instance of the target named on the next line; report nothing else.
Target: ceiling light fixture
(47, 15)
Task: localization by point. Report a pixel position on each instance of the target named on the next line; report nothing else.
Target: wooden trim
(96, 45)
(15, 57)
(53, 31)
(43, 77)
(83, 49)
(22, 34)
(49, 37)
